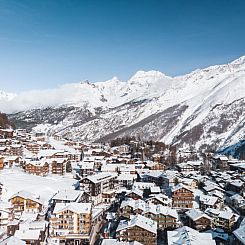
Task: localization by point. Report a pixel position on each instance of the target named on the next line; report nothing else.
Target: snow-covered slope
(204, 107)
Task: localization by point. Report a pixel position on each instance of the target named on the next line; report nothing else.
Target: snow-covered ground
(15, 179)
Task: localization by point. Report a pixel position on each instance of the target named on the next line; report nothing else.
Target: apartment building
(71, 223)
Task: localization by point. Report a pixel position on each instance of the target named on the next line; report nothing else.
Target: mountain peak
(146, 77)
(144, 74)
(239, 61)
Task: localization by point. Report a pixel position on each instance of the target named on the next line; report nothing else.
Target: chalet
(13, 160)
(236, 186)
(138, 228)
(165, 217)
(16, 150)
(109, 196)
(222, 219)
(6, 214)
(86, 168)
(198, 220)
(4, 151)
(211, 187)
(143, 185)
(191, 183)
(154, 176)
(26, 201)
(33, 147)
(12, 227)
(159, 199)
(155, 166)
(5, 142)
(239, 234)
(185, 167)
(32, 232)
(238, 202)
(52, 153)
(207, 201)
(182, 197)
(130, 207)
(71, 223)
(126, 180)
(68, 196)
(6, 133)
(135, 194)
(187, 235)
(99, 183)
(58, 165)
(40, 167)
(169, 178)
(221, 162)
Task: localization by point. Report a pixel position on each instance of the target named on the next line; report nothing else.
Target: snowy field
(15, 179)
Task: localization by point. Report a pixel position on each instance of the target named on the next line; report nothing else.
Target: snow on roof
(49, 152)
(225, 215)
(27, 234)
(212, 211)
(67, 195)
(237, 183)
(134, 204)
(40, 162)
(155, 189)
(150, 208)
(208, 200)
(221, 214)
(11, 158)
(100, 177)
(13, 240)
(143, 185)
(180, 186)
(187, 181)
(38, 225)
(195, 214)
(189, 236)
(5, 205)
(28, 216)
(184, 164)
(86, 165)
(140, 221)
(27, 195)
(116, 242)
(239, 165)
(127, 176)
(136, 191)
(80, 208)
(211, 187)
(154, 173)
(240, 232)
(167, 211)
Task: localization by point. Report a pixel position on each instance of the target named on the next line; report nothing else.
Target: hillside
(203, 108)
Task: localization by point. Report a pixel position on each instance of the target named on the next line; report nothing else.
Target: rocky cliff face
(5, 122)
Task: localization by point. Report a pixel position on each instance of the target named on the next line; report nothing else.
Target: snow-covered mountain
(203, 108)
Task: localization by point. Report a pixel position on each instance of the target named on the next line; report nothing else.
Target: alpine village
(123, 192)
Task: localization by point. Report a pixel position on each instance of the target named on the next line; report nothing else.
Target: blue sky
(45, 43)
